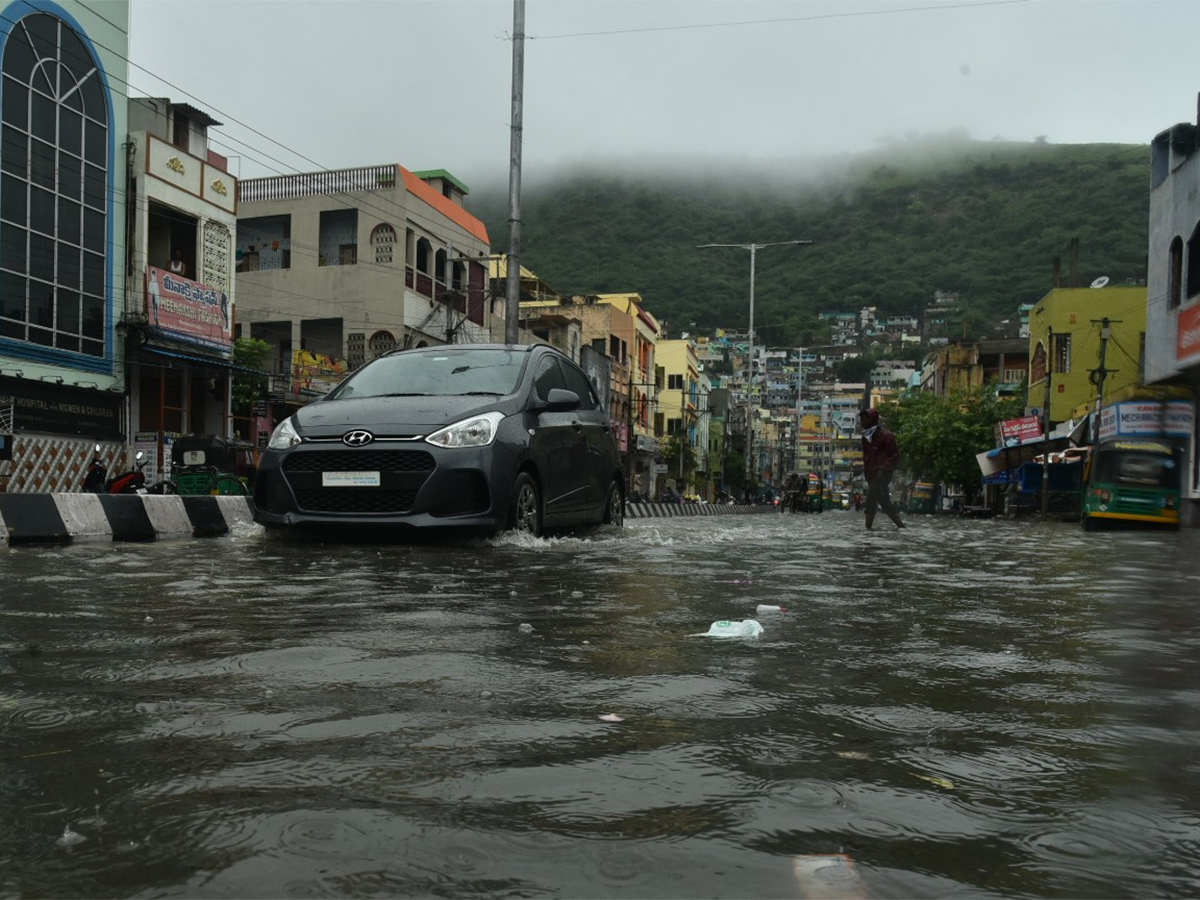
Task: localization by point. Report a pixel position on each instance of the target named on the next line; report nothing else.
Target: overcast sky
(303, 85)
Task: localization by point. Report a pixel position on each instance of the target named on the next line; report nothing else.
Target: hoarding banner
(1187, 339)
(316, 373)
(187, 310)
(1026, 428)
(1170, 418)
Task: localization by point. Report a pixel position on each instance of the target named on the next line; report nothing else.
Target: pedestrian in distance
(880, 456)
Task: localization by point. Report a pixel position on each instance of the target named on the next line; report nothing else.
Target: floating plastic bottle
(766, 608)
(748, 628)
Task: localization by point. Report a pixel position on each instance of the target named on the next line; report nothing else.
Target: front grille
(354, 500)
(1132, 500)
(401, 474)
(359, 461)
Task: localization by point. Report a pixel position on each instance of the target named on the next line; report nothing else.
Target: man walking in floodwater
(880, 456)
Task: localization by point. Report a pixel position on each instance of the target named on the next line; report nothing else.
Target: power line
(748, 22)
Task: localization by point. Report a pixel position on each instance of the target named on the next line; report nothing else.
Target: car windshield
(453, 371)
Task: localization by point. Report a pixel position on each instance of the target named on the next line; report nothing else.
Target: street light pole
(512, 286)
(753, 248)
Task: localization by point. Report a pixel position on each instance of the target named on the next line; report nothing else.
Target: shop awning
(1004, 458)
(211, 361)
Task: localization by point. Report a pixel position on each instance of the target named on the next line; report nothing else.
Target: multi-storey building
(683, 409)
(1075, 332)
(179, 294)
(337, 267)
(619, 327)
(966, 364)
(63, 240)
(1173, 282)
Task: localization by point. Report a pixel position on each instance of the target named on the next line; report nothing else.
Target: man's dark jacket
(881, 452)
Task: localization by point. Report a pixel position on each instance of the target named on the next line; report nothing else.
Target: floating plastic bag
(747, 628)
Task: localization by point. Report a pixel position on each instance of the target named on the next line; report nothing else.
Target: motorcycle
(94, 482)
(131, 482)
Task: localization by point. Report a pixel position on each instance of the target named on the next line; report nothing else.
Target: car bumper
(418, 487)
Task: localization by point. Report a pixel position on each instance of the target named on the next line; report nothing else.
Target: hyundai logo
(357, 438)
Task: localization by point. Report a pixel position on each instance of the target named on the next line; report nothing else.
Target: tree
(669, 449)
(939, 436)
(249, 353)
(855, 369)
(735, 470)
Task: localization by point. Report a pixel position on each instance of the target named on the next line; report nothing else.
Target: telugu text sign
(188, 310)
(1187, 335)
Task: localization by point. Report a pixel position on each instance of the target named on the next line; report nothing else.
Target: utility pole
(1100, 373)
(629, 440)
(512, 293)
(753, 248)
(447, 278)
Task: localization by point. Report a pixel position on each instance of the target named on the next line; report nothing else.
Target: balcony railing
(312, 184)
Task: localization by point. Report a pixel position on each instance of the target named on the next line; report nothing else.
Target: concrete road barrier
(670, 510)
(64, 518)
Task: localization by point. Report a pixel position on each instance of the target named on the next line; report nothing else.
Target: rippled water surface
(964, 709)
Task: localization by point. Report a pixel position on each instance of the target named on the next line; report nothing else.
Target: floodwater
(964, 709)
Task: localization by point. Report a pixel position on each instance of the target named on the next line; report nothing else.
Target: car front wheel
(614, 510)
(526, 515)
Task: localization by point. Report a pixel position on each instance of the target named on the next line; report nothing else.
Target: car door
(559, 446)
(599, 442)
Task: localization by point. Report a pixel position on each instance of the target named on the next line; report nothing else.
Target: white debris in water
(70, 838)
(525, 627)
(748, 628)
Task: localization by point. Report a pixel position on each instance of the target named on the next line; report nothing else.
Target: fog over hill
(987, 220)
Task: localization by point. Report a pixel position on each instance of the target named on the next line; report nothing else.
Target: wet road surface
(967, 708)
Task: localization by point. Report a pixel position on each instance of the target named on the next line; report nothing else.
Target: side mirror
(139, 456)
(560, 400)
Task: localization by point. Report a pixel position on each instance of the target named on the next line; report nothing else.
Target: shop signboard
(187, 310)
(1168, 418)
(52, 408)
(1187, 337)
(1018, 431)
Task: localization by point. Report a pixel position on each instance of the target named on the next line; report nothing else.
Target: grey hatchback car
(469, 436)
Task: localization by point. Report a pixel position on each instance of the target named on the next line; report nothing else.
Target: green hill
(985, 220)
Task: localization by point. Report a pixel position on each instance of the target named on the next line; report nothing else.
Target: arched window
(383, 239)
(1175, 274)
(381, 342)
(54, 177)
(1193, 263)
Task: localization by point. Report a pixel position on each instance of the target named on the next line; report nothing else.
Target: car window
(549, 376)
(449, 371)
(578, 382)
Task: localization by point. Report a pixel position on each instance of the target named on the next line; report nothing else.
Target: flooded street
(967, 708)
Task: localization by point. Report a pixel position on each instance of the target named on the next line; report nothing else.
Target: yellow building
(681, 404)
(1082, 341)
(619, 326)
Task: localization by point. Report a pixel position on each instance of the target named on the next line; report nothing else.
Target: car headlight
(284, 436)
(477, 431)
